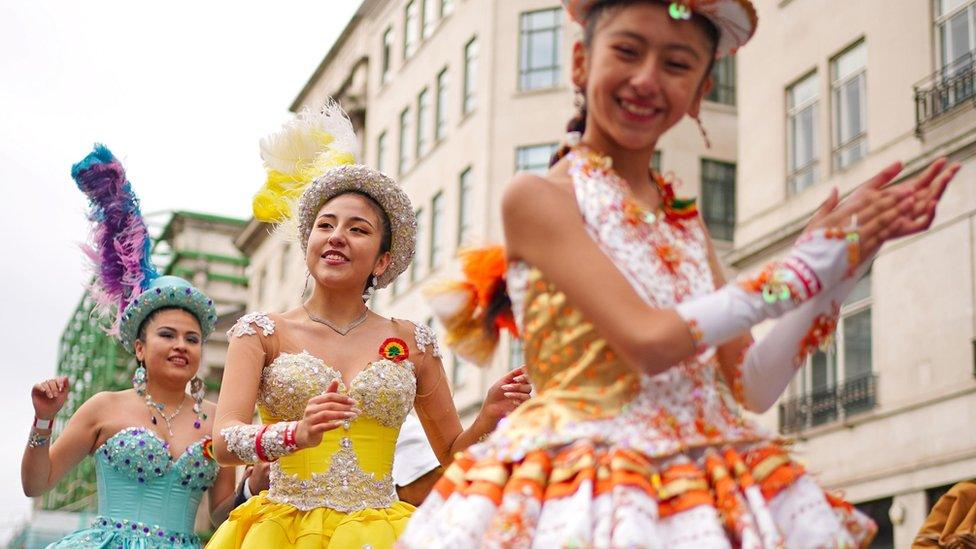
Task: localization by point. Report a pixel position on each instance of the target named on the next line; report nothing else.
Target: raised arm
(45, 463)
(542, 227)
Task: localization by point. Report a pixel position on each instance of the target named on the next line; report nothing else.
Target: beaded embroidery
(139, 534)
(819, 336)
(141, 455)
(240, 441)
(344, 487)
(243, 325)
(424, 337)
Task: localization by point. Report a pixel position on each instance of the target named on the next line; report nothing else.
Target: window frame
(792, 114)
(470, 76)
(525, 68)
(838, 86)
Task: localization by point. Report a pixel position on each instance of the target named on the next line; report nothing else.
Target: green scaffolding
(93, 362)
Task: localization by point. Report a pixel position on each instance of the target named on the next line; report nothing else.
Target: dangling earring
(139, 380)
(305, 286)
(197, 391)
(368, 294)
(701, 128)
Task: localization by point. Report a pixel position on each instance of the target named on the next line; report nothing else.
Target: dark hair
(601, 8)
(145, 323)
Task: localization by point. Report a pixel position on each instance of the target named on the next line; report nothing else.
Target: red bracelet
(258, 447)
(290, 442)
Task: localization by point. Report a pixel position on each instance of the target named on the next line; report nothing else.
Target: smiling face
(642, 72)
(170, 345)
(345, 245)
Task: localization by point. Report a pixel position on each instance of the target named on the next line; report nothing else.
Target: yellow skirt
(260, 523)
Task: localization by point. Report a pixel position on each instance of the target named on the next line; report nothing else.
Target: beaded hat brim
(166, 291)
(379, 187)
(736, 20)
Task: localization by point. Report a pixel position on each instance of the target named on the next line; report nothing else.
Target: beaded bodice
(140, 486)
(352, 467)
(584, 389)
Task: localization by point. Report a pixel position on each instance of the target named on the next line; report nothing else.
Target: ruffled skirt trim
(584, 495)
(260, 523)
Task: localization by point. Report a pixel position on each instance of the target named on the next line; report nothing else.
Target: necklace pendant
(650, 217)
(154, 422)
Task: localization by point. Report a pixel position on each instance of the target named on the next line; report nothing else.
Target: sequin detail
(425, 337)
(243, 325)
(141, 455)
(240, 441)
(109, 532)
(344, 486)
(820, 335)
(384, 389)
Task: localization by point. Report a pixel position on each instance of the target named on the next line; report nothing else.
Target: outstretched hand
(882, 212)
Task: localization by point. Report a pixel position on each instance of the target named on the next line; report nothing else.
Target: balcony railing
(820, 406)
(944, 90)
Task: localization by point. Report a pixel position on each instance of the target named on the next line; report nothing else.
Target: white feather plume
(295, 148)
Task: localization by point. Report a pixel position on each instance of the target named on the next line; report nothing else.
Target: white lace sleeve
(425, 337)
(244, 327)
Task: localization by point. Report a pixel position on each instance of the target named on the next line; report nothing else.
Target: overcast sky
(180, 91)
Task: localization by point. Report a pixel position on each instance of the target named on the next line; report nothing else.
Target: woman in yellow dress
(332, 380)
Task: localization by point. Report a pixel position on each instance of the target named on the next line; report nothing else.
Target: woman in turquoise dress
(151, 444)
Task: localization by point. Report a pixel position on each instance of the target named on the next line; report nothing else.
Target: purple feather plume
(120, 243)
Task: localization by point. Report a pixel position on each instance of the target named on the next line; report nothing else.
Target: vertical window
(656, 161)
(417, 264)
(718, 198)
(723, 81)
(285, 255)
(436, 230)
(447, 6)
(465, 206)
(470, 75)
(534, 158)
(457, 372)
(440, 109)
(955, 22)
(848, 81)
(515, 353)
(839, 380)
(387, 55)
(423, 115)
(802, 101)
(411, 28)
(429, 18)
(539, 40)
(403, 159)
(381, 152)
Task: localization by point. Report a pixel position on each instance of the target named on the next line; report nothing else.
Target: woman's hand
(324, 413)
(884, 212)
(506, 394)
(49, 397)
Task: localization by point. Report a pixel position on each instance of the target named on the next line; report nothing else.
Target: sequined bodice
(139, 482)
(583, 388)
(351, 469)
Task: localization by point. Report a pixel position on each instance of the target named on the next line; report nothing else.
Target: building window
(429, 19)
(465, 205)
(436, 230)
(381, 152)
(723, 81)
(285, 256)
(878, 510)
(447, 6)
(403, 158)
(539, 41)
(848, 81)
(837, 382)
(802, 101)
(955, 22)
(411, 28)
(470, 75)
(416, 265)
(458, 367)
(423, 112)
(656, 162)
(534, 158)
(440, 109)
(515, 353)
(718, 198)
(387, 54)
